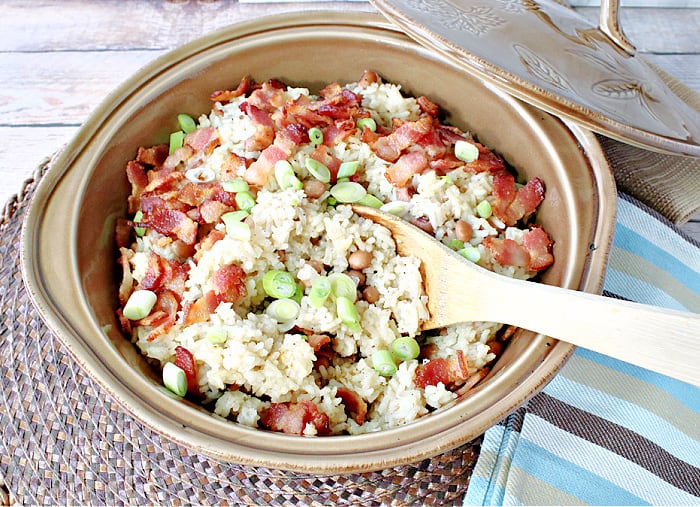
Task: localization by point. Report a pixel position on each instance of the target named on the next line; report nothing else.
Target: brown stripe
(618, 439)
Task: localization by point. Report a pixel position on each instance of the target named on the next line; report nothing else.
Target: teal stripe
(481, 492)
(629, 240)
(572, 479)
(685, 393)
(629, 287)
(628, 415)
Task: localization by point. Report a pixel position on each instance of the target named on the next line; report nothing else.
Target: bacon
(401, 172)
(450, 134)
(136, 174)
(339, 103)
(316, 341)
(292, 418)
(338, 131)
(355, 406)
(153, 156)
(164, 274)
(424, 224)
(203, 139)
(511, 205)
(228, 95)
(269, 97)
(185, 360)
(127, 282)
(163, 180)
(427, 106)
(507, 252)
(231, 166)
(445, 164)
(259, 170)
(163, 315)
(322, 155)
(487, 161)
(122, 232)
(539, 246)
(177, 157)
(210, 211)
(441, 370)
(228, 282)
(390, 147)
(173, 222)
(264, 128)
(207, 242)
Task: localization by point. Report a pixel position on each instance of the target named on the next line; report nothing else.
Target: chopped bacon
(163, 315)
(390, 147)
(168, 221)
(164, 274)
(355, 406)
(472, 381)
(136, 174)
(487, 161)
(535, 253)
(445, 164)
(292, 418)
(322, 155)
(203, 139)
(507, 252)
(163, 180)
(228, 95)
(264, 128)
(185, 360)
(231, 166)
(127, 283)
(259, 170)
(316, 341)
(177, 157)
(423, 223)
(539, 246)
(448, 371)
(401, 172)
(210, 211)
(269, 97)
(153, 156)
(427, 106)
(338, 131)
(122, 232)
(207, 242)
(450, 134)
(228, 282)
(511, 205)
(404, 193)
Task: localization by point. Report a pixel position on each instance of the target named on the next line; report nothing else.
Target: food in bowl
(250, 282)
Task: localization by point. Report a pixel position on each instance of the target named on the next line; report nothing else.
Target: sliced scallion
(315, 135)
(348, 191)
(470, 253)
(371, 201)
(285, 176)
(217, 335)
(342, 285)
(236, 185)
(318, 170)
(383, 363)
(456, 244)
(320, 290)
(187, 123)
(245, 201)
(283, 310)
(279, 284)
(397, 208)
(139, 231)
(466, 151)
(200, 175)
(405, 348)
(367, 123)
(484, 209)
(176, 140)
(174, 379)
(347, 313)
(139, 304)
(347, 169)
(238, 230)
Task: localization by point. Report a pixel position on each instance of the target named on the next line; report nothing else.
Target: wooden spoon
(661, 340)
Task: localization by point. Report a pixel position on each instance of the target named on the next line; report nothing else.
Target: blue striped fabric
(604, 432)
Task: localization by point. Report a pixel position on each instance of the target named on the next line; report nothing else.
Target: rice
(261, 368)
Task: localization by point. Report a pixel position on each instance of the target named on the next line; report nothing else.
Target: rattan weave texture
(65, 441)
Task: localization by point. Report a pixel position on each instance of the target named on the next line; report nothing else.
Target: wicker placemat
(65, 441)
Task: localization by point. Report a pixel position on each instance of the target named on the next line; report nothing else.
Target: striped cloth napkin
(604, 432)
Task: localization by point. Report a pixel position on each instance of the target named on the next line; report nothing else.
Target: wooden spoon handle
(661, 340)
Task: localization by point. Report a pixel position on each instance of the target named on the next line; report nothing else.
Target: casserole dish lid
(546, 54)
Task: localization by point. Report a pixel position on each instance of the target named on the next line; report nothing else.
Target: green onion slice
(456, 244)
(466, 151)
(138, 216)
(245, 201)
(347, 169)
(176, 140)
(318, 170)
(383, 363)
(279, 284)
(236, 185)
(348, 191)
(238, 230)
(283, 310)
(174, 379)
(470, 253)
(139, 304)
(200, 175)
(217, 335)
(405, 348)
(371, 201)
(320, 290)
(315, 135)
(347, 313)
(367, 123)
(342, 285)
(398, 208)
(484, 209)
(187, 123)
(285, 176)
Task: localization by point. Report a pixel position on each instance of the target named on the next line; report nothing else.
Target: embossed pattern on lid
(548, 55)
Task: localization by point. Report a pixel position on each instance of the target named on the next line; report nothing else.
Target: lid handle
(609, 22)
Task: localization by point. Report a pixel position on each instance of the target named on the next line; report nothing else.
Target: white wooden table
(60, 58)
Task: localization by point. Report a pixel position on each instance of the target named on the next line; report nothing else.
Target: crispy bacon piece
(487, 161)
(173, 222)
(264, 128)
(539, 245)
(203, 139)
(164, 274)
(355, 406)
(228, 282)
(338, 131)
(163, 315)
(390, 146)
(534, 254)
(292, 418)
(316, 341)
(507, 252)
(322, 155)
(401, 172)
(228, 95)
(136, 174)
(210, 211)
(185, 360)
(231, 165)
(200, 310)
(427, 106)
(163, 180)
(127, 283)
(448, 371)
(153, 156)
(511, 205)
(177, 157)
(269, 96)
(207, 242)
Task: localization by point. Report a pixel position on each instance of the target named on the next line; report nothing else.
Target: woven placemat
(65, 441)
